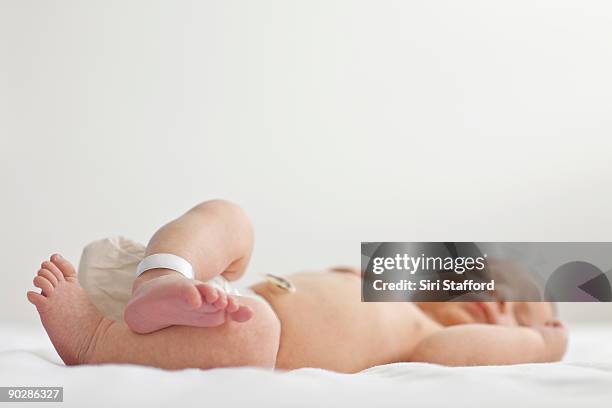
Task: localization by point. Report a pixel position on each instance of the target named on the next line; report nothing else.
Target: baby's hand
(554, 334)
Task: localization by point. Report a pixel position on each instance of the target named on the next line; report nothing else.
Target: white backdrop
(331, 122)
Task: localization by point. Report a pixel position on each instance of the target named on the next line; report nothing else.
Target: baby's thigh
(256, 341)
(251, 343)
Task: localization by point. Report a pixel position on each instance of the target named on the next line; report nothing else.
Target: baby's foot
(175, 300)
(69, 318)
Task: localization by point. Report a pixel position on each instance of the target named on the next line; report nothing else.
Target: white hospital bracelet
(165, 261)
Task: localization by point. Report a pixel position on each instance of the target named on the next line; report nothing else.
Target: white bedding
(583, 379)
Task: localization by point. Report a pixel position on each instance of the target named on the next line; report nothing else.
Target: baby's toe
(63, 265)
(43, 284)
(37, 299)
(45, 273)
(232, 304)
(191, 296)
(209, 293)
(221, 302)
(243, 314)
(48, 265)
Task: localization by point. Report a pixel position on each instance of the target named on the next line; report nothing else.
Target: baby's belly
(324, 324)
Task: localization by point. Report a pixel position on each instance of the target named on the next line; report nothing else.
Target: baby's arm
(476, 344)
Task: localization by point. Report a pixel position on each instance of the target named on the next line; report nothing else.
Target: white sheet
(583, 379)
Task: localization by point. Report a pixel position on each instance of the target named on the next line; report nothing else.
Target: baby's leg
(216, 237)
(81, 335)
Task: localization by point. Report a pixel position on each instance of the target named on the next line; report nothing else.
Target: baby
(175, 322)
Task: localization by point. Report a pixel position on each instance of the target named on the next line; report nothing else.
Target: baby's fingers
(554, 323)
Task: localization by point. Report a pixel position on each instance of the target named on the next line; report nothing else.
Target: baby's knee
(220, 206)
(257, 341)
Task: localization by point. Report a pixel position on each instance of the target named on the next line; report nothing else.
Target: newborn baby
(175, 322)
